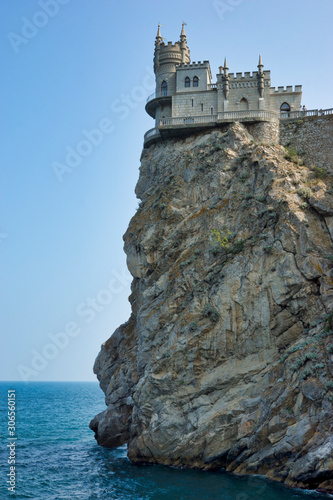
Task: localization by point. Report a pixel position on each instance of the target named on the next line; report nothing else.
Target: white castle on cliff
(186, 98)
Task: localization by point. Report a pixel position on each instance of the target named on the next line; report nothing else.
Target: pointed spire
(225, 68)
(260, 64)
(158, 36)
(183, 34)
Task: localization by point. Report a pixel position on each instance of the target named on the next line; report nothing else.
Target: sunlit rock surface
(227, 358)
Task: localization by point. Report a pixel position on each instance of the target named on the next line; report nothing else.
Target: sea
(56, 456)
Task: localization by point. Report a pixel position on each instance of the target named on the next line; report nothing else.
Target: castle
(186, 99)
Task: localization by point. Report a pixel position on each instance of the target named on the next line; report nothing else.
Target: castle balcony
(151, 136)
(293, 115)
(221, 117)
(257, 115)
(183, 125)
(156, 99)
(188, 121)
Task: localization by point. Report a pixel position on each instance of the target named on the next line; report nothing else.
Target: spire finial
(183, 34)
(225, 69)
(158, 36)
(260, 65)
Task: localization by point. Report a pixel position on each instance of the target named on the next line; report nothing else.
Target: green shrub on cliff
(305, 192)
(291, 155)
(319, 173)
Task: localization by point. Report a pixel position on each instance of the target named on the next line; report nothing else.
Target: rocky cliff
(227, 358)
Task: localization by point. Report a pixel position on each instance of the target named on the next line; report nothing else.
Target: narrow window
(202, 106)
(192, 103)
(211, 111)
(195, 81)
(187, 82)
(285, 109)
(164, 88)
(243, 104)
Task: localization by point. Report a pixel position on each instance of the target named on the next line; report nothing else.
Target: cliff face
(227, 359)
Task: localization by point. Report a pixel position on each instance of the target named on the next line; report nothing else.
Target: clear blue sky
(68, 66)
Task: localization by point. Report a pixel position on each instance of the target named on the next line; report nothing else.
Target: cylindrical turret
(166, 58)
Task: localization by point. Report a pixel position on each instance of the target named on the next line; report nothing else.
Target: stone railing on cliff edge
(174, 126)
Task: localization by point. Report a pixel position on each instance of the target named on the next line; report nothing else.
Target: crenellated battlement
(285, 90)
(170, 45)
(200, 67)
(199, 64)
(248, 74)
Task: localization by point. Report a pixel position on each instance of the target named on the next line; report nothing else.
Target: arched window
(187, 82)
(195, 81)
(285, 109)
(243, 104)
(164, 88)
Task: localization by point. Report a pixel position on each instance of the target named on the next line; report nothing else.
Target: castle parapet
(193, 64)
(287, 89)
(200, 71)
(248, 74)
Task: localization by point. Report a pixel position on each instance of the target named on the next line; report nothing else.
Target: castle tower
(166, 58)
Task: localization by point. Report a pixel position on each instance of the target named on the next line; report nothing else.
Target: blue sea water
(57, 456)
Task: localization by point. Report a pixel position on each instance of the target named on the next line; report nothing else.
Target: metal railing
(288, 115)
(157, 95)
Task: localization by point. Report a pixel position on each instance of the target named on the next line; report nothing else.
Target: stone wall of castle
(280, 95)
(245, 86)
(241, 90)
(202, 103)
(264, 132)
(312, 138)
(200, 70)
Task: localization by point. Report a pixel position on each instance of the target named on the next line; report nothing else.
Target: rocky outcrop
(227, 359)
